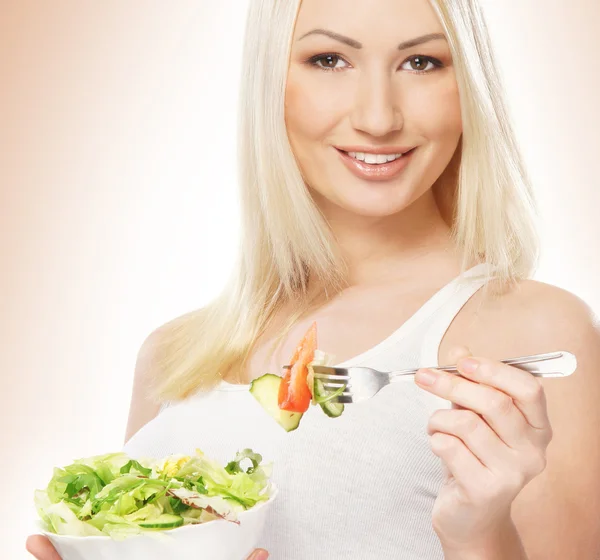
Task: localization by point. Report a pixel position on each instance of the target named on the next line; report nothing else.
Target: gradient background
(118, 199)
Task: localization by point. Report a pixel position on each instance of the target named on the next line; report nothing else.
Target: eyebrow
(356, 45)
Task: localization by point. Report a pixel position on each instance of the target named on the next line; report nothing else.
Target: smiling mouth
(379, 167)
(373, 159)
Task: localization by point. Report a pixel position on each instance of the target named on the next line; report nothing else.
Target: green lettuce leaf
(112, 494)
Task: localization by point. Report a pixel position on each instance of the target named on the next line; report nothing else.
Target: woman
(432, 243)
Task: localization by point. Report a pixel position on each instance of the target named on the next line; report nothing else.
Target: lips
(376, 171)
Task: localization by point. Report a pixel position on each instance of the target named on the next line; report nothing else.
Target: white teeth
(374, 158)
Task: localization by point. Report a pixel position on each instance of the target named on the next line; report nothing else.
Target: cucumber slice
(325, 399)
(265, 390)
(333, 410)
(164, 521)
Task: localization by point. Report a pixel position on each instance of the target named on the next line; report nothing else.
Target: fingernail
(468, 365)
(259, 555)
(426, 377)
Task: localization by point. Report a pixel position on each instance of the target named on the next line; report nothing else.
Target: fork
(361, 383)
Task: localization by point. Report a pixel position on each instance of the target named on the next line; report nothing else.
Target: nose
(376, 108)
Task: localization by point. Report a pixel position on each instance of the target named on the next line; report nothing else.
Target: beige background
(117, 195)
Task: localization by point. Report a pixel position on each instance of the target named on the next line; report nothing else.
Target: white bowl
(213, 540)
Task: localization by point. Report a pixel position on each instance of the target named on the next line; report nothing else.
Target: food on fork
(287, 398)
(116, 496)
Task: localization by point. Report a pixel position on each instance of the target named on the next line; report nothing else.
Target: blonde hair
(285, 241)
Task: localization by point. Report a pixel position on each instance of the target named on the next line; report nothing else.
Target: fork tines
(332, 381)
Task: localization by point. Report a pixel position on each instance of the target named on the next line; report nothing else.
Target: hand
(42, 549)
(259, 554)
(492, 443)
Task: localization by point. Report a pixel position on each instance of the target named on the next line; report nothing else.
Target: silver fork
(363, 382)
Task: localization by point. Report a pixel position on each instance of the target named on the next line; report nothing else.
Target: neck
(391, 248)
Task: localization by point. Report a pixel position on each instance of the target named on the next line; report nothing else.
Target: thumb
(259, 554)
(41, 548)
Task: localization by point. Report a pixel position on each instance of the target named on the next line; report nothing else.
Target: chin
(367, 199)
(379, 205)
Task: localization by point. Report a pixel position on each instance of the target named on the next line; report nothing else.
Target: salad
(286, 398)
(116, 496)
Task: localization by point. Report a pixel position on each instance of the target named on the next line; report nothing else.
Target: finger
(526, 390)
(259, 554)
(466, 469)
(495, 406)
(477, 436)
(454, 355)
(41, 548)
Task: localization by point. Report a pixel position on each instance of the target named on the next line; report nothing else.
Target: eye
(328, 62)
(421, 64)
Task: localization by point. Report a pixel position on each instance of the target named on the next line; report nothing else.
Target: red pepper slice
(294, 394)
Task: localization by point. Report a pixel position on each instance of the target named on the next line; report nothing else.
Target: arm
(142, 409)
(147, 369)
(506, 543)
(556, 514)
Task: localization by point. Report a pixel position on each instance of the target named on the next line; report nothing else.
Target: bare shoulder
(531, 317)
(542, 305)
(534, 317)
(559, 317)
(144, 407)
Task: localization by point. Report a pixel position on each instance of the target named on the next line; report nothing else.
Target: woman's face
(371, 78)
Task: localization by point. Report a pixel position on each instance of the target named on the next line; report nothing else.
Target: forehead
(371, 22)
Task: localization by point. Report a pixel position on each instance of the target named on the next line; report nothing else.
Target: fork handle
(552, 364)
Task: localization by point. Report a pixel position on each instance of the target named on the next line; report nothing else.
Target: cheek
(310, 111)
(437, 111)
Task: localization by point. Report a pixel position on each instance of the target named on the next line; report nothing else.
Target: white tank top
(359, 486)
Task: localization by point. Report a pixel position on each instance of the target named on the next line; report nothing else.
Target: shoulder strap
(441, 320)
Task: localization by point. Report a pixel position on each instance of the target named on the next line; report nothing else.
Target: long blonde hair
(284, 238)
